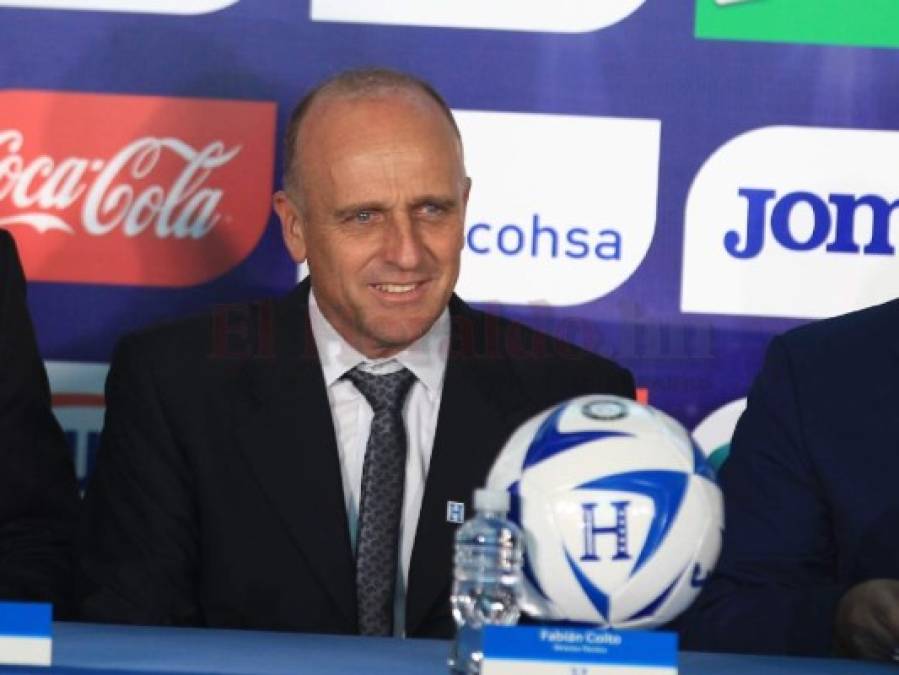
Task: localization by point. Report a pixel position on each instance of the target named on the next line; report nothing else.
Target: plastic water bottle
(487, 577)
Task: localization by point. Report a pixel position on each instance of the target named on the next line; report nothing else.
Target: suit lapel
(886, 388)
(284, 428)
(476, 411)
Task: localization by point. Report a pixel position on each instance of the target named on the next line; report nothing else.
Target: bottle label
(562, 650)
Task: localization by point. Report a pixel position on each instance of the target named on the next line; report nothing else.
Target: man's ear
(292, 225)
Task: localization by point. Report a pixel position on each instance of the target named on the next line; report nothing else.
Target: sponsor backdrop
(668, 183)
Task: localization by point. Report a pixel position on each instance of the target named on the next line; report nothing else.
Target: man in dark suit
(38, 492)
(810, 561)
(248, 474)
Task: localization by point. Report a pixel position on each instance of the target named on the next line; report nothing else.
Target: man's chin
(395, 335)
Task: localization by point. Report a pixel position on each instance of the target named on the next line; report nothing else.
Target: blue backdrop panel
(648, 65)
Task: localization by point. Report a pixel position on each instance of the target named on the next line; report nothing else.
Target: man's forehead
(356, 146)
(376, 120)
(408, 168)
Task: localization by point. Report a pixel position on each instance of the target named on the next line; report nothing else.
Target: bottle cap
(491, 500)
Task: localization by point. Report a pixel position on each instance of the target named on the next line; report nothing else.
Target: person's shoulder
(184, 334)
(7, 249)
(220, 338)
(6, 242)
(865, 329)
(12, 277)
(535, 356)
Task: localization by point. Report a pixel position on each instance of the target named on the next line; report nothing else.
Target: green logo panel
(859, 23)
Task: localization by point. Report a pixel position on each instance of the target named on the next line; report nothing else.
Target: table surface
(80, 649)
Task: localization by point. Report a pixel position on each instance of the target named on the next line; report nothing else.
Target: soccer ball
(620, 509)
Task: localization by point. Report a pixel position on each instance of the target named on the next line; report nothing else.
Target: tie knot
(383, 392)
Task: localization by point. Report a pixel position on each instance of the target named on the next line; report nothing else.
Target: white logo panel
(563, 208)
(560, 16)
(142, 6)
(793, 222)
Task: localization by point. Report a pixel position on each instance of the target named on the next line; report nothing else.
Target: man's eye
(432, 209)
(364, 216)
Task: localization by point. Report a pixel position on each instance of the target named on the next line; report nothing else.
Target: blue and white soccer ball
(620, 509)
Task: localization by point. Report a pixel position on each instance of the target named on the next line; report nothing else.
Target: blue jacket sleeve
(774, 590)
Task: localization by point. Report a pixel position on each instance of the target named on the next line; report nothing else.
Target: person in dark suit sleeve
(38, 492)
(224, 493)
(810, 558)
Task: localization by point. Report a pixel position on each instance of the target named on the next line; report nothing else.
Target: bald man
(302, 469)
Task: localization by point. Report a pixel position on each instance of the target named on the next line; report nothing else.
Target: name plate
(25, 633)
(544, 650)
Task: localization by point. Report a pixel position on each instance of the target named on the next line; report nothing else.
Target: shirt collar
(426, 357)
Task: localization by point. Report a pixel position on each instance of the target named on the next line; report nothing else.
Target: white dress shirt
(352, 416)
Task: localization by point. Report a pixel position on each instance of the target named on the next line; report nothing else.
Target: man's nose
(403, 245)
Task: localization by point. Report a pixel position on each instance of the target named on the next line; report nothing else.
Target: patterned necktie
(381, 504)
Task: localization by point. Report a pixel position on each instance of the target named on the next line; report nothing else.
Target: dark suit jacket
(217, 497)
(811, 499)
(38, 494)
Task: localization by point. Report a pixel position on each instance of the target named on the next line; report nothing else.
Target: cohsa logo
(143, 6)
(136, 190)
(533, 238)
(559, 16)
(79, 406)
(793, 222)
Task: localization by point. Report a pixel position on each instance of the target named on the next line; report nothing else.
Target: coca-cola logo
(133, 190)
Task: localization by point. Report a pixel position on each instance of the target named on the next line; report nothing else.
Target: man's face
(381, 222)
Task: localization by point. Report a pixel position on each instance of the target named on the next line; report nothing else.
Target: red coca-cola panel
(139, 190)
